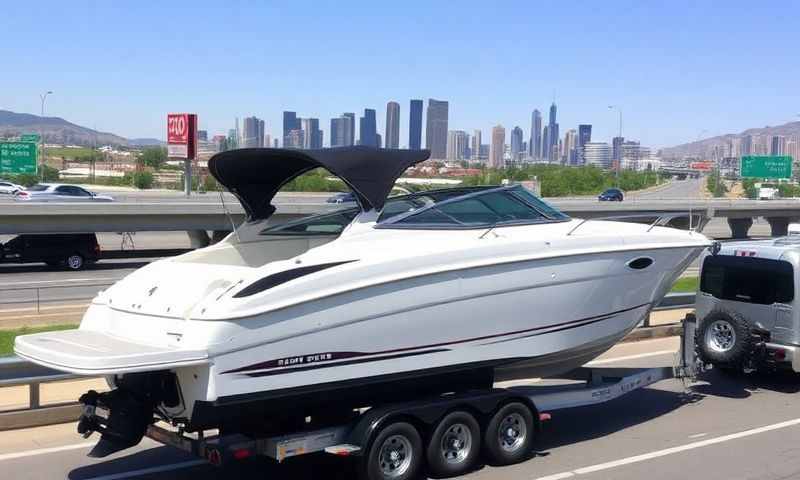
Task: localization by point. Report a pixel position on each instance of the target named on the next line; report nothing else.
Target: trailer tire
(454, 445)
(395, 454)
(509, 434)
(725, 339)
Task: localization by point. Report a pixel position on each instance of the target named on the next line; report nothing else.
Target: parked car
(59, 192)
(611, 195)
(747, 312)
(341, 197)
(9, 188)
(74, 251)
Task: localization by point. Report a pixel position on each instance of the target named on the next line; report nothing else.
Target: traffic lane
(677, 189)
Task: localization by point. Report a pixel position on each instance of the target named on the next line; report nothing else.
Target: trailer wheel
(395, 454)
(725, 339)
(454, 445)
(509, 435)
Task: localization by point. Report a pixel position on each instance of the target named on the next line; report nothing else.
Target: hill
(55, 130)
(704, 147)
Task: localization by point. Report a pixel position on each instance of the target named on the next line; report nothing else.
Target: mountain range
(58, 130)
(703, 147)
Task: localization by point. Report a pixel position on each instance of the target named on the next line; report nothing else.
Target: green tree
(154, 157)
(143, 180)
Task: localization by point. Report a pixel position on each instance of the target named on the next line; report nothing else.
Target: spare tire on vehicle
(725, 339)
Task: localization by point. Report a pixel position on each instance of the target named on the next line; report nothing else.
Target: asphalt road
(722, 428)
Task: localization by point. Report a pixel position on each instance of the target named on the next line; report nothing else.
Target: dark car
(611, 195)
(342, 197)
(74, 251)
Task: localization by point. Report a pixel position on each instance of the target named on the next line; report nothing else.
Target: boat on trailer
(388, 300)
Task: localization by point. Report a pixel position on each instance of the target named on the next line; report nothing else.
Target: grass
(685, 285)
(7, 336)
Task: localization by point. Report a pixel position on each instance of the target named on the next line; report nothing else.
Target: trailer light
(543, 417)
(241, 453)
(780, 355)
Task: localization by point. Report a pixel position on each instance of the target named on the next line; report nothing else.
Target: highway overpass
(205, 215)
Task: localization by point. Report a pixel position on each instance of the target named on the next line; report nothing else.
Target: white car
(58, 192)
(9, 188)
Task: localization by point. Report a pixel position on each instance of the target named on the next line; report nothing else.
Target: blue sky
(675, 68)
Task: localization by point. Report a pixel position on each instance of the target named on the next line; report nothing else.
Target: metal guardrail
(37, 299)
(15, 371)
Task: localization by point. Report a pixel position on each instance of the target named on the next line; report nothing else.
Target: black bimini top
(255, 175)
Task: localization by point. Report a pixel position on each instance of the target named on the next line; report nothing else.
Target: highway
(723, 428)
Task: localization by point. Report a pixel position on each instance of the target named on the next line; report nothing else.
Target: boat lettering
(317, 357)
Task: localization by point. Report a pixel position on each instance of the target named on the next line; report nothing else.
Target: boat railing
(662, 218)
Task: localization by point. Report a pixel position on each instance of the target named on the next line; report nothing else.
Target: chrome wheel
(512, 432)
(720, 336)
(456, 443)
(395, 456)
(75, 262)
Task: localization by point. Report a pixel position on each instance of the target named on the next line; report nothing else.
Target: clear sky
(675, 68)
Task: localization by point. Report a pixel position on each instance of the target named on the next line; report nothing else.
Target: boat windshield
(511, 205)
(468, 207)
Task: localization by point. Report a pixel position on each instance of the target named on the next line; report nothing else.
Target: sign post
(182, 143)
(766, 166)
(18, 157)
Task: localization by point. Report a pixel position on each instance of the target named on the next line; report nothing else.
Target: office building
(392, 138)
(535, 142)
(294, 139)
(312, 135)
(777, 145)
(290, 122)
(436, 129)
(552, 132)
(342, 130)
(616, 151)
(415, 125)
(597, 154)
(633, 154)
(456, 145)
(570, 156)
(516, 143)
(584, 137)
(253, 133)
(367, 130)
(497, 147)
(202, 135)
(475, 146)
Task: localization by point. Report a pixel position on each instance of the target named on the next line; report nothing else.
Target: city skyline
(671, 78)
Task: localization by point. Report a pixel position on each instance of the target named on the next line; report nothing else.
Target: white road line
(148, 471)
(669, 451)
(66, 280)
(630, 357)
(44, 451)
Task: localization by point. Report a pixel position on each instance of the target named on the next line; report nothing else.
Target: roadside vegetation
(715, 185)
(7, 336)
(686, 285)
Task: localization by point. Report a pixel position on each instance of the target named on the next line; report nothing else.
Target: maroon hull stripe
(310, 361)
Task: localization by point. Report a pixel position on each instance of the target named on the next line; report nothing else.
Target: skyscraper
(352, 128)
(552, 129)
(570, 144)
(516, 143)
(476, 146)
(497, 147)
(312, 135)
(290, 122)
(436, 129)
(342, 130)
(545, 143)
(597, 154)
(392, 138)
(456, 145)
(584, 137)
(253, 133)
(367, 134)
(415, 125)
(535, 143)
(616, 152)
(777, 145)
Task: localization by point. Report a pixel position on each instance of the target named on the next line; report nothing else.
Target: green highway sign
(18, 157)
(766, 166)
(30, 137)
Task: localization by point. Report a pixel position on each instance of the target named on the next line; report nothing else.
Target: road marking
(669, 451)
(150, 470)
(69, 306)
(44, 451)
(630, 357)
(66, 280)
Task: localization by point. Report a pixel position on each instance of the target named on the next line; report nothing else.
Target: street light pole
(41, 129)
(619, 159)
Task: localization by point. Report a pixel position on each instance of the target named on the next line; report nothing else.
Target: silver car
(747, 305)
(9, 188)
(59, 192)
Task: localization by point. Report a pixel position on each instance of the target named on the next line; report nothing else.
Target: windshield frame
(395, 222)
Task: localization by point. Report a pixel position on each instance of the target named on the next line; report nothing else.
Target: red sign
(181, 135)
(702, 166)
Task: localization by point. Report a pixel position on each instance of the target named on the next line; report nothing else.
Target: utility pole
(41, 130)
